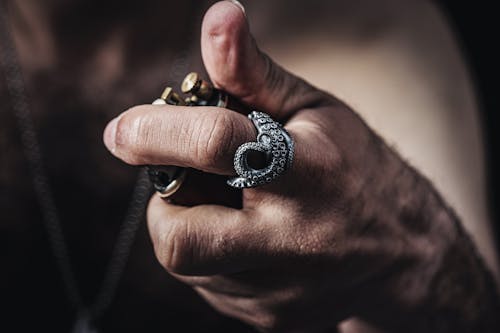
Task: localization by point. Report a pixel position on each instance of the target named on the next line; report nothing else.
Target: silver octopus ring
(274, 142)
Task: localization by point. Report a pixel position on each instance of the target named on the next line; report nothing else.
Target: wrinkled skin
(349, 230)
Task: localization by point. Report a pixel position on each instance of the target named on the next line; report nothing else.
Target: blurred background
(477, 28)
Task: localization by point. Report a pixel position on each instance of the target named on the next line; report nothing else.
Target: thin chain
(179, 67)
(142, 191)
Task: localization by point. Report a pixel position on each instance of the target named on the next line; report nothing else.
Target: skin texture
(86, 61)
(350, 230)
(400, 65)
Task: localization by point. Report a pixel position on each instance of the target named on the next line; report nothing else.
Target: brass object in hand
(167, 179)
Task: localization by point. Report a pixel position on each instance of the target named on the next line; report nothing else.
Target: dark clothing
(92, 190)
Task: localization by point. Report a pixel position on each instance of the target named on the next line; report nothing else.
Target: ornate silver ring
(273, 141)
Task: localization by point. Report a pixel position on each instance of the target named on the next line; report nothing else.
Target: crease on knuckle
(213, 147)
(170, 247)
(289, 91)
(176, 250)
(272, 75)
(275, 81)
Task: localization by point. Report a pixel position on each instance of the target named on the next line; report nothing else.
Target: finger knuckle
(273, 76)
(175, 249)
(214, 146)
(269, 322)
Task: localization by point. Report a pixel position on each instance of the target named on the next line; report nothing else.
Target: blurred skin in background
(396, 63)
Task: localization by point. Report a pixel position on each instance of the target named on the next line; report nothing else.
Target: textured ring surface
(273, 141)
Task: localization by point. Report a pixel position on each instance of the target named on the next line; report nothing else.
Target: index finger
(204, 138)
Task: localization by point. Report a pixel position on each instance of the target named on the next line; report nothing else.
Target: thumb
(236, 65)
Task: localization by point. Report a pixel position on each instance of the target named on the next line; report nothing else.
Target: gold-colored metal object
(169, 97)
(172, 97)
(167, 179)
(192, 84)
(202, 92)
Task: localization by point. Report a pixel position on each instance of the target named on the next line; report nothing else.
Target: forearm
(447, 288)
(463, 295)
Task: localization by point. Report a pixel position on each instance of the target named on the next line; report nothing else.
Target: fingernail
(240, 6)
(110, 134)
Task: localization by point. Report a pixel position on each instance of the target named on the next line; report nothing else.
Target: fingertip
(159, 206)
(153, 212)
(225, 42)
(160, 210)
(109, 134)
(224, 17)
(239, 5)
(236, 65)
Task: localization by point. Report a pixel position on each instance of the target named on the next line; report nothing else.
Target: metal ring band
(166, 179)
(272, 140)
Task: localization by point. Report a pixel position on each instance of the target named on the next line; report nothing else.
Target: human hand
(349, 230)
